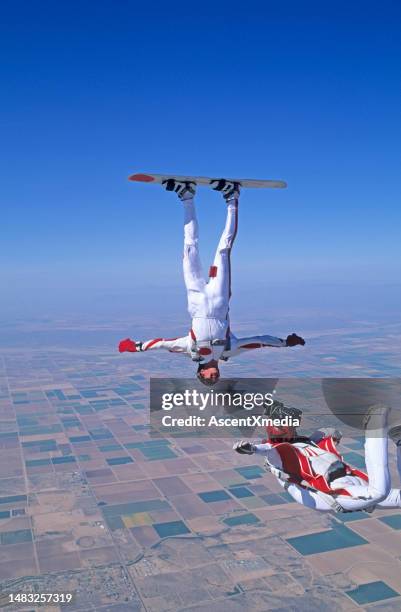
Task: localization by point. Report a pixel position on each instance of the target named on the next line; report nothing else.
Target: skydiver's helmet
(281, 433)
(209, 382)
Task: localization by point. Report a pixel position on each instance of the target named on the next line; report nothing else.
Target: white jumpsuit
(208, 302)
(376, 492)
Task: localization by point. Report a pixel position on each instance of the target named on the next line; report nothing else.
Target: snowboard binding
(184, 189)
(229, 189)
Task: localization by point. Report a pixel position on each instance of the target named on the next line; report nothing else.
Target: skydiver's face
(210, 373)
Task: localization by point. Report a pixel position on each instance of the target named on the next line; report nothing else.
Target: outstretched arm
(174, 345)
(272, 459)
(241, 345)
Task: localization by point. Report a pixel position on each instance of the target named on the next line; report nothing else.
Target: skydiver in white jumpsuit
(209, 339)
(345, 489)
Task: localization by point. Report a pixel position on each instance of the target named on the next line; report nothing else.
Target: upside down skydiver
(210, 339)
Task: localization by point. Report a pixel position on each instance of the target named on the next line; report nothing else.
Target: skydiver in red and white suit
(210, 338)
(313, 472)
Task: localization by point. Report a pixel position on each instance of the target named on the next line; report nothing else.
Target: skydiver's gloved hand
(293, 340)
(243, 447)
(129, 346)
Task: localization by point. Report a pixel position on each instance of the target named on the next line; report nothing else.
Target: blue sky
(93, 91)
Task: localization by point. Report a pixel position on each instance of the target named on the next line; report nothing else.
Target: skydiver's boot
(376, 419)
(229, 189)
(184, 189)
(395, 434)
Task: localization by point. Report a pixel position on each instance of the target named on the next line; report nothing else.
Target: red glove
(293, 340)
(128, 345)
